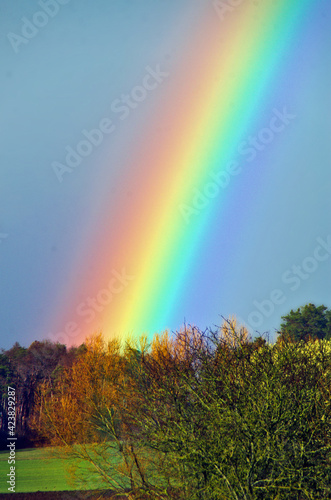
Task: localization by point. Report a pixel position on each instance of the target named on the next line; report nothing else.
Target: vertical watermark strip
(11, 412)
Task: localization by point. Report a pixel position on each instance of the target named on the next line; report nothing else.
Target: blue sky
(64, 79)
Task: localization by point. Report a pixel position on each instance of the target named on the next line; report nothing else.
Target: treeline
(26, 369)
(197, 414)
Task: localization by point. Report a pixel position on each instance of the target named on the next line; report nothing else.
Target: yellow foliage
(233, 334)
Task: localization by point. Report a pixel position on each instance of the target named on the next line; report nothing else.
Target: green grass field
(37, 470)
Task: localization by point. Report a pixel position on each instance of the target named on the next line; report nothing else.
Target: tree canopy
(192, 415)
(307, 322)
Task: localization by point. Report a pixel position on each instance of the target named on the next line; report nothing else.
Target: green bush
(202, 415)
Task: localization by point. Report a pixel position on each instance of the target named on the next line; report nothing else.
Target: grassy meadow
(39, 469)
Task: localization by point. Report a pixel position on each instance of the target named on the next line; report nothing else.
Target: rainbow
(152, 229)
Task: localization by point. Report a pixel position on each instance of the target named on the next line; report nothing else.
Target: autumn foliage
(197, 415)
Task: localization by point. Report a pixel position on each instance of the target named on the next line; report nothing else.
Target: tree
(199, 416)
(89, 413)
(238, 419)
(25, 369)
(306, 322)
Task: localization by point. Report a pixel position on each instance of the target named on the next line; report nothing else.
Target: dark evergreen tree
(306, 322)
